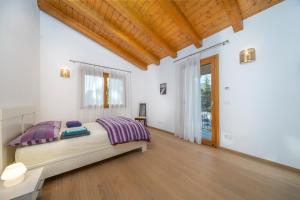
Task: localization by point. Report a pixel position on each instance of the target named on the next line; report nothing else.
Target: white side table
(27, 190)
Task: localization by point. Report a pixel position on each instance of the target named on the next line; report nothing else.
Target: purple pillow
(36, 135)
(51, 123)
(74, 123)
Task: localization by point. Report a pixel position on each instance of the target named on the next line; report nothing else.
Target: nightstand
(27, 190)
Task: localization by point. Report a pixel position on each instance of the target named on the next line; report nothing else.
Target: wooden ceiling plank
(98, 19)
(117, 5)
(170, 7)
(51, 10)
(233, 12)
(203, 12)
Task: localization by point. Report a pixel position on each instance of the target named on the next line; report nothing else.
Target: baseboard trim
(262, 160)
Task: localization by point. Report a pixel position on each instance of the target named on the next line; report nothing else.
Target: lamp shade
(13, 174)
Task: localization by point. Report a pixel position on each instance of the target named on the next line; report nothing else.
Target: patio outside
(206, 106)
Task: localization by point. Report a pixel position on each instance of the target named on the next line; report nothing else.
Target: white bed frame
(14, 121)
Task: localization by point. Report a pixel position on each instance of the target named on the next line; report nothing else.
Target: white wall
(19, 52)
(59, 43)
(261, 110)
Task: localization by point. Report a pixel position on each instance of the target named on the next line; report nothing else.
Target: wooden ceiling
(144, 31)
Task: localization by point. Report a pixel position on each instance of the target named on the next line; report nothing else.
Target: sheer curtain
(119, 93)
(91, 95)
(188, 116)
(91, 92)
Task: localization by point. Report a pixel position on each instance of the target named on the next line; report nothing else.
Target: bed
(62, 155)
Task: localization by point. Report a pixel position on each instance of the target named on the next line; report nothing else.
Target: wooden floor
(174, 169)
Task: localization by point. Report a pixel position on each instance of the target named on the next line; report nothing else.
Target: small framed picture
(163, 88)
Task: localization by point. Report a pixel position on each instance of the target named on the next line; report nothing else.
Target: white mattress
(43, 154)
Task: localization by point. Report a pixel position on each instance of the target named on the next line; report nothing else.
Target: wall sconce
(64, 72)
(247, 55)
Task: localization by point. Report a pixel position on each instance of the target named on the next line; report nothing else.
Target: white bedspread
(42, 154)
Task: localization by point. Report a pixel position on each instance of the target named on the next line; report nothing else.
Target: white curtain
(91, 89)
(188, 117)
(91, 95)
(119, 93)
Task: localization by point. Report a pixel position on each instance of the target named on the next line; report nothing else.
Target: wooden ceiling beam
(95, 17)
(117, 5)
(233, 12)
(51, 10)
(170, 7)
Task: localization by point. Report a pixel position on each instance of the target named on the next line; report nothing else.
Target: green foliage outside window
(206, 94)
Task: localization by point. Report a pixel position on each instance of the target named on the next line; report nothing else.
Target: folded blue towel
(75, 129)
(74, 132)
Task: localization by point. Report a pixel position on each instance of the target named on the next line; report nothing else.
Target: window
(93, 91)
(103, 89)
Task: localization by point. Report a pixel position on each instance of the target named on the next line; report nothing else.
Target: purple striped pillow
(36, 135)
(51, 123)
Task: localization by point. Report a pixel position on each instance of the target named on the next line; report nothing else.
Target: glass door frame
(214, 63)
